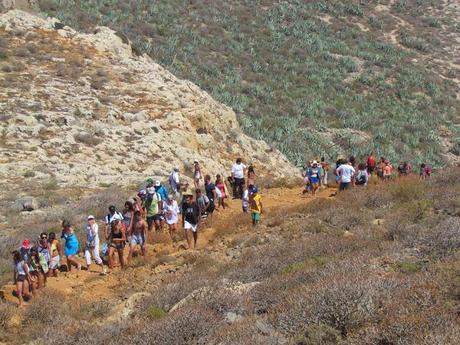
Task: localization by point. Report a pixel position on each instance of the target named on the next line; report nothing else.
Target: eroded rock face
(85, 110)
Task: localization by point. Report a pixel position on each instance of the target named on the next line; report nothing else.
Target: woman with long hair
(21, 277)
(221, 187)
(128, 218)
(40, 268)
(117, 241)
(55, 255)
(70, 245)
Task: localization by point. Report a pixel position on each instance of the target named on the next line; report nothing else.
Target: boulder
(26, 204)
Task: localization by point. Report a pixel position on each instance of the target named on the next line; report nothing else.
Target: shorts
(314, 180)
(156, 218)
(190, 226)
(55, 262)
(344, 185)
(21, 278)
(245, 209)
(118, 245)
(137, 240)
(255, 216)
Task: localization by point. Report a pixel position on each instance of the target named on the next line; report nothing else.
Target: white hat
(314, 162)
(195, 161)
(157, 183)
(90, 217)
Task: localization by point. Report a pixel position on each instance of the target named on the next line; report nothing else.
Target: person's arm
(260, 204)
(15, 275)
(59, 248)
(25, 267)
(123, 234)
(214, 194)
(144, 230)
(130, 225)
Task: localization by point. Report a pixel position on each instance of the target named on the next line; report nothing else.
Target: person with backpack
(211, 193)
(70, 245)
(40, 268)
(255, 201)
(346, 173)
(362, 177)
(92, 244)
(21, 277)
(108, 219)
(313, 174)
(203, 203)
(161, 190)
(174, 182)
(191, 217)
(154, 205)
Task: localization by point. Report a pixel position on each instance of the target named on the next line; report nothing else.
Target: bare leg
(19, 292)
(188, 237)
(195, 238)
(130, 254)
(111, 252)
(120, 257)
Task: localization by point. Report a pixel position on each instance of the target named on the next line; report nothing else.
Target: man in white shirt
(346, 173)
(238, 172)
(174, 181)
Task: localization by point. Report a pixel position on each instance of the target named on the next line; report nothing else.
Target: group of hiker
(154, 208)
(348, 172)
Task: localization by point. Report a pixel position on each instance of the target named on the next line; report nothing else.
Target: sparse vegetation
(280, 67)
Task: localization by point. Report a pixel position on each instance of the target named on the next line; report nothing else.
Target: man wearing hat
(92, 244)
(174, 181)
(160, 189)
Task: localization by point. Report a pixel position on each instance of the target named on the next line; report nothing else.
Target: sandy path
(92, 286)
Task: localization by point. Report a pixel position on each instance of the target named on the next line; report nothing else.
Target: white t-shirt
(345, 172)
(238, 170)
(174, 180)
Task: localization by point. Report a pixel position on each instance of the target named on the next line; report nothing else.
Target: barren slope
(83, 110)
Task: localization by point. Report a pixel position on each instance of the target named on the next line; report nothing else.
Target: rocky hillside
(81, 109)
(340, 75)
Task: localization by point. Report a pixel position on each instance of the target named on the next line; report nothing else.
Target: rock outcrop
(83, 109)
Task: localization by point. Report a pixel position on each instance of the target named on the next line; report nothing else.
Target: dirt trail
(92, 286)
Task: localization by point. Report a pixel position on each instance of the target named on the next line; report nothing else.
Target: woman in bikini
(117, 241)
(196, 174)
(55, 257)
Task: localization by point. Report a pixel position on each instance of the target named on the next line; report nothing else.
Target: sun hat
(26, 244)
(157, 183)
(90, 217)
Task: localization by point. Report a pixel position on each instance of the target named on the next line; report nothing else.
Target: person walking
(128, 218)
(138, 236)
(43, 247)
(220, 185)
(56, 253)
(40, 268)
(108, 219)
(191, 218)
(210, 189)
(255, 201)
(174, 182)
(117, 241)
(197, 176)
(371, 163)
(21, 277)
(251, 176)
(313, 174)
(362, 177)
(387, 171)
(346, 174)
(92, 244)
(238, 172)
(70, 245)
(171, 210)
(203, 203)
(324, 172)
(153, 205)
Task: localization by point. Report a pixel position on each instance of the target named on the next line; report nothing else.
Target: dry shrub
(186, 326)
(7, 312)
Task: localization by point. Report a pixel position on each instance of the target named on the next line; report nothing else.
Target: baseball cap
(26, 244)
(149, 180)
(90, 217)
(254, 189)
(157, 183)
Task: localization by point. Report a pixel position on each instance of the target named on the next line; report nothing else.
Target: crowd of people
(157, 207)
(154, 209)
(349, 172)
